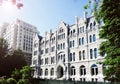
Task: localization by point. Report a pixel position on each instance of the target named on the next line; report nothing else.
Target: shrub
(23, 81)
(11, 81)
(3, 81)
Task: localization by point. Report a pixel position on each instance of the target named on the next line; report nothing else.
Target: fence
(46, 81)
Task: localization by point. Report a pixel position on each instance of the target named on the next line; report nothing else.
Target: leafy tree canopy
(108, 12)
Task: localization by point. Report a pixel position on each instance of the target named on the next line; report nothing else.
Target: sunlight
(8, 7)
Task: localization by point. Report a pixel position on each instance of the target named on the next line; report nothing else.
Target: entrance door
(60, 72)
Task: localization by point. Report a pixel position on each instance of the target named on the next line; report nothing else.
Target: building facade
(71, 52)
(19, 35)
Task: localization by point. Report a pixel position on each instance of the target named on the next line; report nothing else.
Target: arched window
(83, 54)
(90, 39)
(95, 52)
(79, 41)
(41, 72)
(52, 72)
(73, 56)
(80, 56)
(94, 69)
(82, 70)
(46, 72)
(90, 26)
(82, 40)
(94, 38)
(73, 71)
(70, 56)
(91, 54)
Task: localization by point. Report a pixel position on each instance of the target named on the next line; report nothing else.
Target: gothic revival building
(71, 52)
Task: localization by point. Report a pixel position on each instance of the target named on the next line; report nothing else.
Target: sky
(44, 14)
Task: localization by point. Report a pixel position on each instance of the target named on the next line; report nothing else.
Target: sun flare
(7, 6)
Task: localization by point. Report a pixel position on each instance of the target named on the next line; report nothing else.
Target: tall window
(95, 52)
(46, 72)
(63, 45)
(74, 31)
(46, 50)
(58, 47)
(103, 67)
(90, 39)
(70, 44)
(64, 58)
(46, 60)
(58, 57)
(73, 71)
(90, 26)
(80, 55)
(82, 40)
(91, 54)
(94, 38)
(94, 23)
(94, 69)
(71, 33)
(70, 56)
(79, 41)
(41, 72)
(83, 54)
(52, 72)
(73, 43)
(82, 70)
(73, 56)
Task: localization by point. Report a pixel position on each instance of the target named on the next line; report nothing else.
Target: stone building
(71, 52)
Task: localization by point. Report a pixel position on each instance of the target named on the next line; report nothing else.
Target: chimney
(76, 20)
(85, 15)
(50, 31)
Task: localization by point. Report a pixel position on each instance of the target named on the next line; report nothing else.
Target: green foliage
(26, 72)
(109, 12)
(16, 74)
(3, 81)
(11, 81)
(23, 81)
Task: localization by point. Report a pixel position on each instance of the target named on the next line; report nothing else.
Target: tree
(108, 13)
(3, 54)
(10, 60)
(15, 60)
